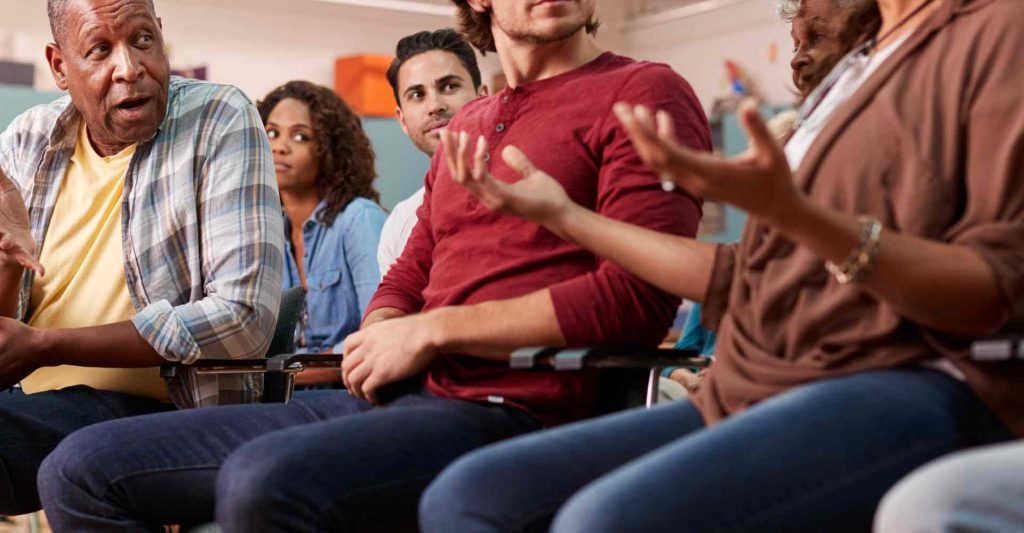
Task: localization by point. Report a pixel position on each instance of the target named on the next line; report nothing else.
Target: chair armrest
(289, 362)
(605, 357)
(998, 348)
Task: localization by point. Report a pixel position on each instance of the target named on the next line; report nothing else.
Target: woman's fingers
(761, 139)
(656, 145)
(449, 143)
(644, 117)
(666, 127)
(461, 168)
(480, 159)
(517, 161)
(643, 139)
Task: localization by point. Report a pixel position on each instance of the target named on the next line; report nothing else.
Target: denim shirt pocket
(324, 280)
(326, 304)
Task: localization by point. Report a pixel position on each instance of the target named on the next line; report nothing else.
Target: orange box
(362, 81)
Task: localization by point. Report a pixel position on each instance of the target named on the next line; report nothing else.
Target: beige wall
(254, 44)
(258, 44)
(698, 46)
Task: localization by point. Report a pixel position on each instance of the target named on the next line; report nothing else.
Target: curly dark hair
(346, 157)
(476, 27)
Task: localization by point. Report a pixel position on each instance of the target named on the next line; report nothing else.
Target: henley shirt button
(487, 157)
(501, 127)
(504, 99)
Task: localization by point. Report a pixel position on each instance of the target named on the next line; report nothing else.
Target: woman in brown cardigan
(887, 235)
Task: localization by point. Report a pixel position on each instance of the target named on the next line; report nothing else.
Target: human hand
(386, 352)
(536, 197)
(686, 378)
(18, 353)
(17, 247)
(759, 181)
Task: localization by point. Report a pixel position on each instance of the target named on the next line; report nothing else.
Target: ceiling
(636, 8)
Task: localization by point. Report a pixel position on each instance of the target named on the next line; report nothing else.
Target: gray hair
(790, 9)
(55, 11)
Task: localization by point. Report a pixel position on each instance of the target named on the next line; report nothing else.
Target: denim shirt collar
(310, 222)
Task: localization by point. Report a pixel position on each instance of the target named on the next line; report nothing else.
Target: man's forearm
(678, 265)
(493, 330)
(10, 289)
(116, 345)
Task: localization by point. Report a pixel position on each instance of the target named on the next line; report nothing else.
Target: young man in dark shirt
(469, 288)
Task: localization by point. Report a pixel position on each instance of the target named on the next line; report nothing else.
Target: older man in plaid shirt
(152, 204)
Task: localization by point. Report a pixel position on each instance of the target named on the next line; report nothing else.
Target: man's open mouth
(130, 104)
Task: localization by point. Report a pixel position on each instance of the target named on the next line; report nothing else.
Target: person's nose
(127, 66)
(801, 61)
(438, 105)
(279, 146)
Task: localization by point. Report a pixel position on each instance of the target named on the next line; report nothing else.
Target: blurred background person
(324, 166)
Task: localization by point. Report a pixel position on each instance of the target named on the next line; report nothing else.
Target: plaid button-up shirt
(202, 227)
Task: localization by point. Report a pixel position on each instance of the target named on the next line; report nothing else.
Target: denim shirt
(341, 273)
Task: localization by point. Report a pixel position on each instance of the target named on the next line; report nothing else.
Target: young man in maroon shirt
(428, 372)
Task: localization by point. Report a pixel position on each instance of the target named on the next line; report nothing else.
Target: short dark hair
(346, 156)
(476, 27)
(445, 40)
(55, 12)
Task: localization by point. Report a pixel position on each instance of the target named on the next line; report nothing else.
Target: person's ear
(479, 6)
(58, 68)
(483, 91)
(401, 120)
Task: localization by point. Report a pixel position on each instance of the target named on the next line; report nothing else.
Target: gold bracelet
(861, 260)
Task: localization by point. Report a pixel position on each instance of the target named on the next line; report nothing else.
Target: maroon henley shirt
(461, 253)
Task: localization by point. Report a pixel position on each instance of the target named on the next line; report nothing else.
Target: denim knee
(245, 489)
(69, 474)
(593, 510)
(464, 497)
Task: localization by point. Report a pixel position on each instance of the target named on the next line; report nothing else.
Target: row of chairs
(629, 375)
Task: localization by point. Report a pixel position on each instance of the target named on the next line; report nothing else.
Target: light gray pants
(980, 490)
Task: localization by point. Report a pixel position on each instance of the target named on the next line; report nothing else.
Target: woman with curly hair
(325, 172)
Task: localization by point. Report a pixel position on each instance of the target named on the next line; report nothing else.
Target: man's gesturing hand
(16, 243)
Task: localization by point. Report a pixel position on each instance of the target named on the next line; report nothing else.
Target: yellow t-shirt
(85, 283)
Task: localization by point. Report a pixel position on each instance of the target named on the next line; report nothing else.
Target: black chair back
(277, 386)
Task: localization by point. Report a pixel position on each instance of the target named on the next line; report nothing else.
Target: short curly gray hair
(789, 9)
(55, 12)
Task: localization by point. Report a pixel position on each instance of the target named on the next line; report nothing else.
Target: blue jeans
(31, 426)
(324, 462)
(817, 458)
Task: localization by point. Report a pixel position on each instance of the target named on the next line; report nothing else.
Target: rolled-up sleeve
(7, 150)
(716, 297)
(993, 219)
(241, 233)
